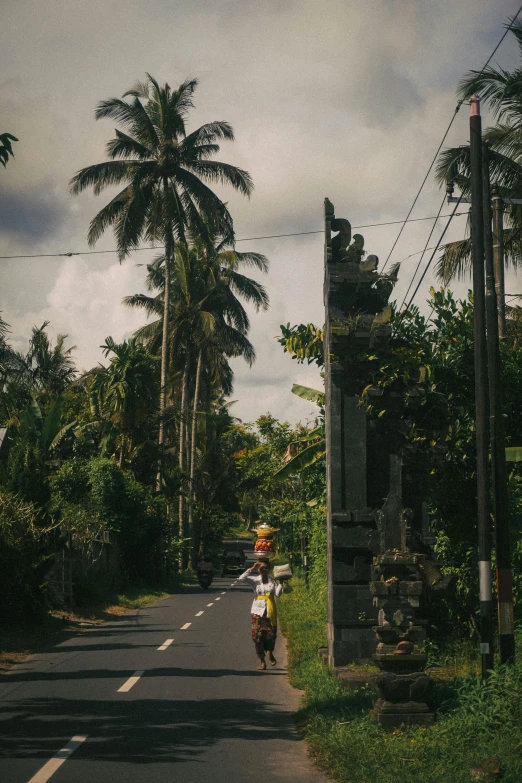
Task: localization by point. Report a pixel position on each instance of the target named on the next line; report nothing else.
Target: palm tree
(165, 171)
(502, 91)
(125, 391)
(208, 323)
(45, 370)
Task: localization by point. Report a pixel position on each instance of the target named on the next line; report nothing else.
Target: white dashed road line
(165, 644)
(211, 604)
(184, 627)
(224, 592)
(56, 762)
(198, 614)
(131, 681)
(218, 598)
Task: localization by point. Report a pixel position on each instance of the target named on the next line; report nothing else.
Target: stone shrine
(363, 452)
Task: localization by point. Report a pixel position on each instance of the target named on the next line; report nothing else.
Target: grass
(475, 721)
(23, 639)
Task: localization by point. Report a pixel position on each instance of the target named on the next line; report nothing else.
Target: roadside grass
(475, 720)
(24, 638)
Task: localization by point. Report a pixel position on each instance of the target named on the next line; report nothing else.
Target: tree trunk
(181, 455)
(169, 251)
(193, 458)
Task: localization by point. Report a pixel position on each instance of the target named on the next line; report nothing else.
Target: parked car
(233, 562)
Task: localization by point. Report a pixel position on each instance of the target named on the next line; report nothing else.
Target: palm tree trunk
(193, 457)
(169, 254)
(181, 455)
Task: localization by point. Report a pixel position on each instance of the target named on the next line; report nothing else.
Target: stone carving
(401, 578)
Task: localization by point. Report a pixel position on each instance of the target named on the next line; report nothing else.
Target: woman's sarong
(264, 635)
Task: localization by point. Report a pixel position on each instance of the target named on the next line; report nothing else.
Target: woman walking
(264, 610)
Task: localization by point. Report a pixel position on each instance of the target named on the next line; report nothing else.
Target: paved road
(195, 709)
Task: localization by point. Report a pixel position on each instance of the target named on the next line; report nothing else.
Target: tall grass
(475, 719)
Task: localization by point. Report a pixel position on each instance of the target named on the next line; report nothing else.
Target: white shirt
(259, 607)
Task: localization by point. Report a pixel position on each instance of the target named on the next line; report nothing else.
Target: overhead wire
(424, 251)
(242, 239)
(403, 312)
(457, 109)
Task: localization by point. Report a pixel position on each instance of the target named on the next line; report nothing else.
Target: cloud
(31, 217)
(341, 99)
(83, 303)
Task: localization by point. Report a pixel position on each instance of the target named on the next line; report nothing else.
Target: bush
(476, 719)
(95, 495)
(24, 558)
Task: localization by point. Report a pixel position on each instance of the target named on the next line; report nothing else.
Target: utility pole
(497, 437)
(498, 258)
(479, 331)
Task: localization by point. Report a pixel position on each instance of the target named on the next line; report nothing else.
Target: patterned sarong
(264, 635)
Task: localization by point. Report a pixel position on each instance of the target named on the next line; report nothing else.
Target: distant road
(170, 693)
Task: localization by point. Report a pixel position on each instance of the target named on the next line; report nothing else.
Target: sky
(347, 99)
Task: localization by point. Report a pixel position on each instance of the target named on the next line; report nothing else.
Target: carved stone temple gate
(366, 486)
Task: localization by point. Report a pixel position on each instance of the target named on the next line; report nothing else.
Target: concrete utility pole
(479, 329)
(498, 258)
(497, 437)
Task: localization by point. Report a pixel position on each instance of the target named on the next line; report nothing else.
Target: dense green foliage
(435, 357)
(476, 719)
(501, 92)
(24, 557)
(129, 469)
(77, 473)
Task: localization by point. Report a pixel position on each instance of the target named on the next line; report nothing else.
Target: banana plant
(304, 452)
(47, 431)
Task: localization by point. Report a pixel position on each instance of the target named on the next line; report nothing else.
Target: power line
(457, 109)
(242, 239)
(403, 312)
(424, 251)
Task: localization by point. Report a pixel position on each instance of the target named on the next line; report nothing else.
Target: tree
(24, 558)
(208, 325)
(125, 393)
(46, 369)
(36, 440)
(502, 92)
(165, 171)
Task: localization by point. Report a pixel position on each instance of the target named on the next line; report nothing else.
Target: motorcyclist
(205, 566)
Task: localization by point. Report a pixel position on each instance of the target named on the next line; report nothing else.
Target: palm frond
(455, 261)
(232, 259)
(107, 216)
(124, 145)
(148, 303)
(103, 175)
(224, 173)
(252, 291)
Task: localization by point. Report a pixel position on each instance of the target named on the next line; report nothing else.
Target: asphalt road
(109, 705)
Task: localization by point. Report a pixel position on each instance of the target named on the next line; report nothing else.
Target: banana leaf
(306, 393)
(305, 459)
(51, 425)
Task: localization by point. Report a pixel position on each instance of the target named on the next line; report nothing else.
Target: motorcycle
(205, 579)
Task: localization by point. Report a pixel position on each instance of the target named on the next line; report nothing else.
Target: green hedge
(476, 720)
